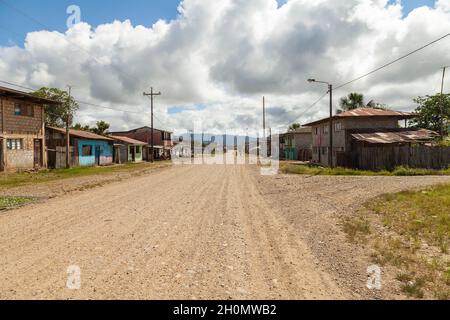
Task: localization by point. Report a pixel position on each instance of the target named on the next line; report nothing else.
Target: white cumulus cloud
(225, 55)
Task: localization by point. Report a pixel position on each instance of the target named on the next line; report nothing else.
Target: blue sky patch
(19, 17)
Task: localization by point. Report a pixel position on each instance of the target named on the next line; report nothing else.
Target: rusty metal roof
(128, 140)
(81, 134)
(386, 137)
(371, 112)
(20, 95)
(367, 112)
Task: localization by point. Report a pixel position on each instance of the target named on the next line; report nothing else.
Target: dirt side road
(181, 233)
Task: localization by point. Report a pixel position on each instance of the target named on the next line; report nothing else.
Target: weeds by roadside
(7, 203)
(401, 171)
(410, 231)
(20, 179)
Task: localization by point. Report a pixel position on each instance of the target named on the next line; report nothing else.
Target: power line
(77, 100)
(376, 70)
(70, 42)
(392, 62)
(312, 105)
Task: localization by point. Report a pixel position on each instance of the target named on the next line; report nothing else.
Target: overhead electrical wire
(392, 62)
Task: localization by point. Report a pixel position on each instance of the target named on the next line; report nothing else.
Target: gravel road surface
(190, 232)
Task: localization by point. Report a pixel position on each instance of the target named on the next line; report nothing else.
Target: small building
(86, 148)
(344, 125)
(162, 141)
(127, 149)
(297, 144)
(22, 128)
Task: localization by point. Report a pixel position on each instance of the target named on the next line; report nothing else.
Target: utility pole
(330, 153)
(330, 91)
(264, 116)
(442, 102)
(67, 129)
(152, 94)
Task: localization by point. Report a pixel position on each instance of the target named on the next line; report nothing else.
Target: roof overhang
(367, 113)
(80, 134)
(20, 95)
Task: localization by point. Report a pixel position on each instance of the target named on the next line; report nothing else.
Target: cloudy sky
(214, 60)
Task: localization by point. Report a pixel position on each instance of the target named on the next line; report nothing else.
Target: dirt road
(188, 232)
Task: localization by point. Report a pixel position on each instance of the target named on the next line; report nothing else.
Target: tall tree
(294, 126)
(79, 126)
(102, 128)
(433, 112)
(56, 116)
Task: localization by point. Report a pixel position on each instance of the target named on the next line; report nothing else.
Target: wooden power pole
(264, 117)
(152, 94)
(68, 130)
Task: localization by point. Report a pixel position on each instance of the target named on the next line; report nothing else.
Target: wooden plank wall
(390, 157)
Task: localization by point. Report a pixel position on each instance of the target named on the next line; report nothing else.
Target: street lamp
(330, 90)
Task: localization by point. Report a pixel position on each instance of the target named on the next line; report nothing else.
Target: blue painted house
(86, 148)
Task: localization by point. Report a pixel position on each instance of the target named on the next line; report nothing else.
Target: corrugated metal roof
(421, 135)
(82, 134)
(367, 112)
(370, 112)
(128, 140)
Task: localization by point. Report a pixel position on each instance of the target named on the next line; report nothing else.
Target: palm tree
(352, 101)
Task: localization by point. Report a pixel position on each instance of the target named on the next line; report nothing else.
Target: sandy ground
(193, 232)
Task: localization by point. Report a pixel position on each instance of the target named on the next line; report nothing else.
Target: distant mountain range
(207, 137)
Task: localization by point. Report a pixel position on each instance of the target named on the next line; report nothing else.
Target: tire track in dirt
(188, 232)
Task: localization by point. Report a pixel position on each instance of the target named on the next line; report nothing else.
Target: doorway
(2, 165)
(97, 155)
(37, 153)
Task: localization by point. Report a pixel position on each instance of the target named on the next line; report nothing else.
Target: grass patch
(401, 171)
(7, 203)
(411, 231)
(19, 179)
(357, 228)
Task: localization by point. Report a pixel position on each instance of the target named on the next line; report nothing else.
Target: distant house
(22, 142)
(162, 141)
(346, 127)
(86, 148)
(127, 149)
(297, 144)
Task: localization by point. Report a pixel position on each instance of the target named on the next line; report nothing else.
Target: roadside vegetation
(7, 203)
(401, 171)
(410, 231)
(25, 178)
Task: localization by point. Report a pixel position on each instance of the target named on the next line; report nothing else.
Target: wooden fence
(390, 157)
(57, 157)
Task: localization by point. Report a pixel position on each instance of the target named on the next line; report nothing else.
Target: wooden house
(86, 148)
(127, 149)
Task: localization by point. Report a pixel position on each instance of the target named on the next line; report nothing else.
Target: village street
(188, 232)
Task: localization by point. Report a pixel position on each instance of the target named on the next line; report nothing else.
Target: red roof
(367, 112)
(81, 134)
(128, 140)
